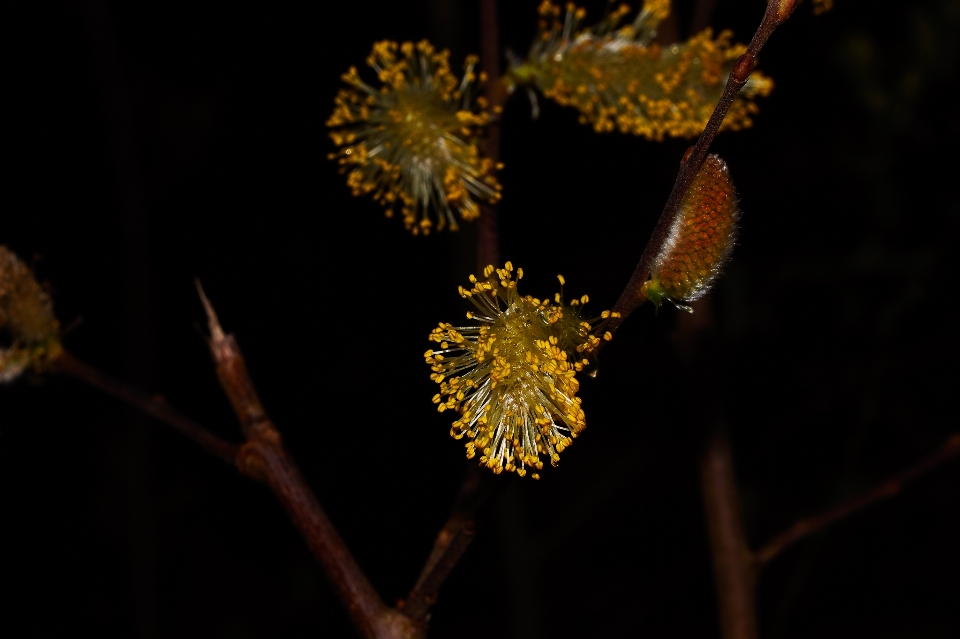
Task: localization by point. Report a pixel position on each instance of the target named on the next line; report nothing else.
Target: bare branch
(233, 376)
(263, 457)
(805, 527)
(153, 405)
(451, 543)
(733, 565)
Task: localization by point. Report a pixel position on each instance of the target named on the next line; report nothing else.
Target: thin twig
(264, 457)
(805, 527)
(488, 244)
(776, 14)
(733, 565)
(153, 405)
(451, 543)
(233, 376)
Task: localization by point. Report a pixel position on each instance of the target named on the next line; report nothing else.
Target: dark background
(149, 143)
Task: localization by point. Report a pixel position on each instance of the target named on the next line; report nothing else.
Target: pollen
(29, 332)
(619, 79)
(512, 379)
(700, 240)
(411, 143)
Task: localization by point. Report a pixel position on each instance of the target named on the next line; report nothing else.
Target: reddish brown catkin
(701, 238)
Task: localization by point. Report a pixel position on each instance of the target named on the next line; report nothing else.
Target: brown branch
(733, 565)
(269, 461)
(776, 14)
(451, 543)
(153, 405)
(488, 243)
(950, 450)
(264, 457)
(233, 376)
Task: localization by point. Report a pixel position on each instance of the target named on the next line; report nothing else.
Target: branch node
(742, 68)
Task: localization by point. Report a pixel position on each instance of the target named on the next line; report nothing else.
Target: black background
(149, 143)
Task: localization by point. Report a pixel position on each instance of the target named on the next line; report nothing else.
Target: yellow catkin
(512, 379)
(411, 142)
(620, 80)
(31, 332)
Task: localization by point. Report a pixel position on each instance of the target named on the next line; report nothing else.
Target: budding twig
(776, 14)
(889, 488)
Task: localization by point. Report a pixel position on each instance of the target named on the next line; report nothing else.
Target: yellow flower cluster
(700, 240)
(619, 79)
(411, 142)
(31, 333)
(512, 379)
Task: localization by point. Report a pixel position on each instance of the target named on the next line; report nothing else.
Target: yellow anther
(523, 357)
(619, 81)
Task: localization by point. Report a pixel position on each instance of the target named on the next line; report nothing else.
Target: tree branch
(488, 243)
(264, 457)
(451, 543)
(733, 564)
(153, 405)
(776, 14)
(889, 488)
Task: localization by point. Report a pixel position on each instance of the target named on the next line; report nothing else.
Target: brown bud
(742, 68)
(700, 239)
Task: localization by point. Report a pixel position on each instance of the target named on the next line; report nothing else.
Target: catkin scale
(700, 240)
